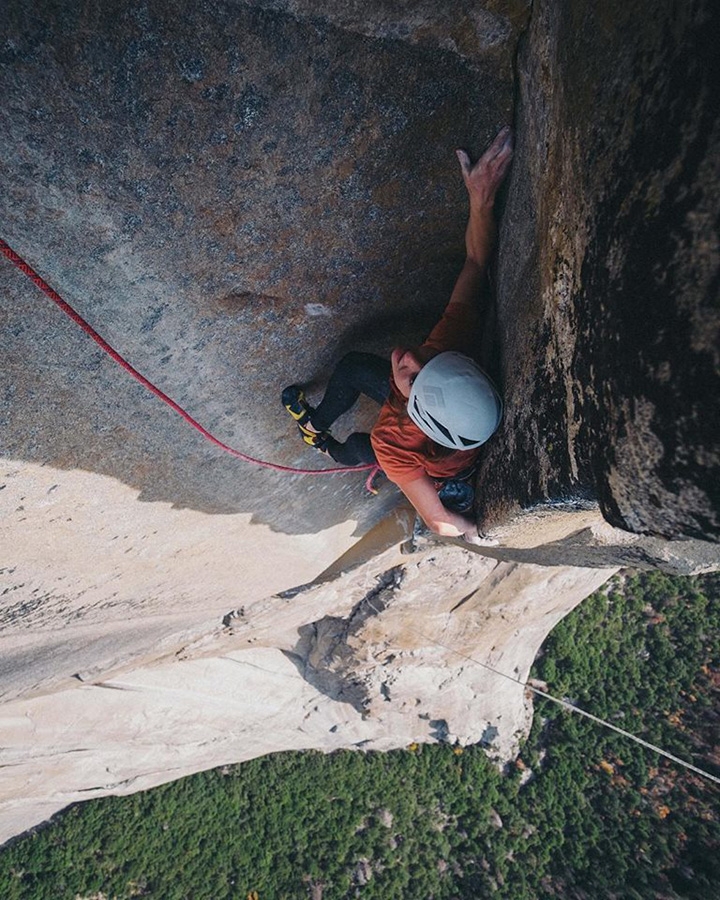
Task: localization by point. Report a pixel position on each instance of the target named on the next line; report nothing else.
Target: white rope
(566, 705)
(627, 734)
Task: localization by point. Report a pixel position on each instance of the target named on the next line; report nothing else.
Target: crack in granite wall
(326, 651)
(235, 196)
(608, 270)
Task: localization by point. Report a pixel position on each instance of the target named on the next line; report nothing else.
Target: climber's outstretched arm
(482, 181)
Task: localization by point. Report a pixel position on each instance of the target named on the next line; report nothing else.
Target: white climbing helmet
(454, 402)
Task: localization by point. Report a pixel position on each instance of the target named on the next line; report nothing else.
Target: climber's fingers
(485, 177)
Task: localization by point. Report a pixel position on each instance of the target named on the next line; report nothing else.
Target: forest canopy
(582, 813)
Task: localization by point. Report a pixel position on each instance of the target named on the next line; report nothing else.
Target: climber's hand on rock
(484, 178)
(478, 540)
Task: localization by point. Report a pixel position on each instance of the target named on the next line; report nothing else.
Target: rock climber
(437, 405)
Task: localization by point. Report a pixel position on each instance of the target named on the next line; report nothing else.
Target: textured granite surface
(234, 194)
(233, 197)
(608, 270)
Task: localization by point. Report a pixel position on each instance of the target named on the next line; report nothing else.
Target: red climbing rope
(88, 329)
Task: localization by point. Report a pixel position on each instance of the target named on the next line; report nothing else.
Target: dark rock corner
(236, 195)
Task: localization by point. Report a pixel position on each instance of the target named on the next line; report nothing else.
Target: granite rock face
(608, 269)
(433, 645)
(233, 195)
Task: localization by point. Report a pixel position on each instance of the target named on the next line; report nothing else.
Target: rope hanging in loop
(40, 282)
(372, 468)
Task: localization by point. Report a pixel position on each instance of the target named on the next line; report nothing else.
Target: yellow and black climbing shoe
(293, 399)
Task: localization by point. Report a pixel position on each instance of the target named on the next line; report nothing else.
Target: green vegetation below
(583, 813)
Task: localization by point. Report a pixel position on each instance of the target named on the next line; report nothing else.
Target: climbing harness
(372, 469)
(14, 258)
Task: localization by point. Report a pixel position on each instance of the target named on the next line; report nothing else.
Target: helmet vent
(452, 397)
(440, 427)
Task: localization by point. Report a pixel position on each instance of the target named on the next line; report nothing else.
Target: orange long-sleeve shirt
(403, 451)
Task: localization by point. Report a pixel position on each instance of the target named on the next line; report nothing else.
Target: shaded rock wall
(608, 269)
(236, 194)
(233, 197)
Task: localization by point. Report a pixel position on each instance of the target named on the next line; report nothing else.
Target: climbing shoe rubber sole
(293, 399)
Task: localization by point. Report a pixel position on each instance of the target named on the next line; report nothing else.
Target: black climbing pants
(365, 373)
(355, 374)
